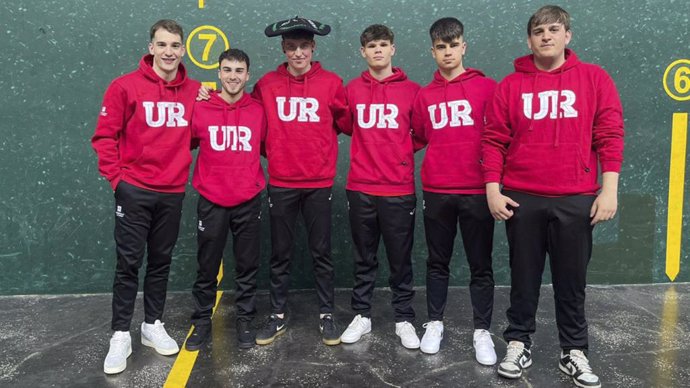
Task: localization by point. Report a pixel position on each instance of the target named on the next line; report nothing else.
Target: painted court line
(182, 369)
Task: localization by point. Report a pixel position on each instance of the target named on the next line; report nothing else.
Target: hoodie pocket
(238, 179)
(452, 166)
(309, 160)
(164, 165)
(544, 166)
(382, 164)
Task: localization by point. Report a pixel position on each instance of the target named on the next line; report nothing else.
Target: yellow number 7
(210, 39)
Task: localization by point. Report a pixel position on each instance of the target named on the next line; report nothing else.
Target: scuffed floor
(639, 337)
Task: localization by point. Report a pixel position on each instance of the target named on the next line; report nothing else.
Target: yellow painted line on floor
(201, 4)
(182, 369)
(676, 187)
(669, 337)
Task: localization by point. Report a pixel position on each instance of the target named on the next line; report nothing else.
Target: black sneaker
(245, 336)
(198, 337)
(329, 332)
(517, 358)
(273, 327)
(575, 363)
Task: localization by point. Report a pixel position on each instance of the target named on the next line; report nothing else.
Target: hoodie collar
(146, 68)
(526, 64)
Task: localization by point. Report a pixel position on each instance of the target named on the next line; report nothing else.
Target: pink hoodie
(142, 135)
(449, 118)
(546, 131)
(381, 152)
(228, 171)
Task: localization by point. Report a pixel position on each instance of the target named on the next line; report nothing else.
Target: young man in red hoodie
(551, 125)
(142, 141)
(229, 130)
(305, 109)
(449, 119)
(380, 185)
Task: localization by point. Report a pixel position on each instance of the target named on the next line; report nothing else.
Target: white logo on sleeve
(383, 116)
(170, 114)
(103, 112)
(549, 104)
(460, 111)
(302, 108)
(234, 138)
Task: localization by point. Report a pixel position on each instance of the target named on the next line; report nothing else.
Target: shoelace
(408, 329)
(433, 328)
(513, 353)
(158, 330)
(359, 321)
(580, 360)
(119, 341)
(484, 338)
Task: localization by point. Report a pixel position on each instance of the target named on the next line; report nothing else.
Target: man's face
(298, 53)
(167, 50)
(548, 41)
(448, 56)
(378, 53)
(233, 76)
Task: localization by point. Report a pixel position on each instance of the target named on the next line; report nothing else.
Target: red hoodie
(546, 130)
(381, 152)
(142, 135)
(304, 115)
(449, 118)
(228, 171)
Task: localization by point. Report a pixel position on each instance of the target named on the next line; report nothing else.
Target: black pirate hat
(297, 23)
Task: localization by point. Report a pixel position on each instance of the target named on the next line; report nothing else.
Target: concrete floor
(638, 338)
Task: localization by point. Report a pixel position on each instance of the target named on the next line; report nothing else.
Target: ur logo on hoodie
(550, 102)
(170, 114)
(460, 111)
(302, 108)
(383, 115)
(235, 138)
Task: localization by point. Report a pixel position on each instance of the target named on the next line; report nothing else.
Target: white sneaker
(155, 336)
(431, 341)
(484, 347)
(576, 364)
(357, 328)
(407, 334)
(120, 349)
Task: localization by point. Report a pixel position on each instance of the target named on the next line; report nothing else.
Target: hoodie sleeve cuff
(611, 166)
(491, 176)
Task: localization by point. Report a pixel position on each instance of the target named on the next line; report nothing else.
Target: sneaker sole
(579, 384)
(513, 375)
(164, 352)
(266, 341)
(246, 345)
(119, 368)
(194, 348)
(429, 351)
(485, 362)
(332, 342)
(353, 340)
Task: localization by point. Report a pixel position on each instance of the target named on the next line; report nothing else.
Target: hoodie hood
(467, 75)
(397, 76)
(146, 68)
(218, 102)
(303, 79)
(526, 64)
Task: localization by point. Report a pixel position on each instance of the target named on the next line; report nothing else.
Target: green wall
(56, 221)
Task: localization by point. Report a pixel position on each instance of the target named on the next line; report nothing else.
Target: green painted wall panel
(58, 57)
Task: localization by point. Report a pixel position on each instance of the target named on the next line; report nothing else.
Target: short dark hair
(169, 25)
(446, 30)
(234, 54)
(376, 32)
(298, 34)
(548, 14)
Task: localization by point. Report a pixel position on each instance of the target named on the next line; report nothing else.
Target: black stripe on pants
(214, 223)
(315, 205)
(559, 226)
(442, 212)
(144, 221)
(373, 217)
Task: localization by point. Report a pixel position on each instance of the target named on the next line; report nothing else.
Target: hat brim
(297, 24)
